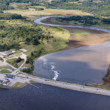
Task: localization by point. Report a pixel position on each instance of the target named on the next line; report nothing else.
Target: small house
(10, 76)
(6, 53)
(6, 83)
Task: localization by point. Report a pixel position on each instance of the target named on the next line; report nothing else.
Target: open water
(51, 98)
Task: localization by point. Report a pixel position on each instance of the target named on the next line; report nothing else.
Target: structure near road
(7, 53)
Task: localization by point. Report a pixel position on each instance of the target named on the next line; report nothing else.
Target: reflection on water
(81, 65)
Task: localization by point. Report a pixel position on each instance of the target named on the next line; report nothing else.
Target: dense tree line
(5, 7)
(85, 20)
(98, 8)
(8, 16)
(30, 60)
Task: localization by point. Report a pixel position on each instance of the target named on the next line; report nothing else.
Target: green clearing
(103, 87)
(5, 71)
(14, 62)
(3, 67)
(18, 85)
(1, 59)
(81, 33)
(31, 13)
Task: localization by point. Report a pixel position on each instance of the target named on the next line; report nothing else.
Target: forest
(15, 34)
(8, 16)
(99, 8)
(85, 20)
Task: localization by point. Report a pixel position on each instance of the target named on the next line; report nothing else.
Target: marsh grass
(81, 33)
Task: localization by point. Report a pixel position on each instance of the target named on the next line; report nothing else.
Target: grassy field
(44, 12)
(81, 33)
(5, 71)
(3, 67)
(1, 59)
(33, 14)
(18, 85)
(13, 62)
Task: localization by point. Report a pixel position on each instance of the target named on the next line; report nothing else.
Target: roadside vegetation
(1, 59)
(5, 71)
(18, 85)
(3, 67)
(16, 62)
(80, 34)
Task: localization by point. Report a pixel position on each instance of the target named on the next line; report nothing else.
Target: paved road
(70, 86)
(62, 84)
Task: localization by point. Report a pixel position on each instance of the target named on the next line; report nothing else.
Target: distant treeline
(8, 16)
(36, 8)
(18, 1)
(5, 7)
(85, 20)
(99, 8)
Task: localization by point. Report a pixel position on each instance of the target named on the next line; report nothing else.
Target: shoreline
(65, 85)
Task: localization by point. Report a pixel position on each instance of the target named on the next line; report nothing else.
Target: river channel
(81, 65)
(50, 98)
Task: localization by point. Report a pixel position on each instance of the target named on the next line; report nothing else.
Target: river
(50, 98)
(38, 21)
(81, 65)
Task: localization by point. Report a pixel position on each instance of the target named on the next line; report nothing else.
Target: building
(7, 53)
(10, 76)
(6, 83)
(22, 68)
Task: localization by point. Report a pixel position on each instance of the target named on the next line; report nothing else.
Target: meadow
(31, 13)
(80, 34)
